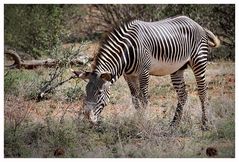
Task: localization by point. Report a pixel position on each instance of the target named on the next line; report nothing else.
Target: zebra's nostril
(90, 116)
(86, 113)
(81, 116)
(93, 118)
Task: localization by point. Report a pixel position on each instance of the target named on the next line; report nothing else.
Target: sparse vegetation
(24, 83)
(52, 125)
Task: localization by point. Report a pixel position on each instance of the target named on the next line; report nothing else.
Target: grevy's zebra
(138, 49)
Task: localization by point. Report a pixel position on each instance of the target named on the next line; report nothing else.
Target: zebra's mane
(105, 38)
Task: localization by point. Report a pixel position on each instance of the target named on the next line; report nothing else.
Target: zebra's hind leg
(199, 70)
(179, 85)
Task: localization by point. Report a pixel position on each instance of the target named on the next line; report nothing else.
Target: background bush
(37, 29)
(219, 18)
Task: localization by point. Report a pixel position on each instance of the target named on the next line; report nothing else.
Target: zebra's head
(97, 93)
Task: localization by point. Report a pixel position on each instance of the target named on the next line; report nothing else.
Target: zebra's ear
(106, 76)
(80, 74)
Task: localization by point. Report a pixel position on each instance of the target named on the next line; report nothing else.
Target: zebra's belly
(160, 68)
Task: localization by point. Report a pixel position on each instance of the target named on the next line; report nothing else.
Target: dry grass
(41, 129)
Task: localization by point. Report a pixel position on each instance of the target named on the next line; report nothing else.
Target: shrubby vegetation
(52, 126)
(37, 29)
(40, 129)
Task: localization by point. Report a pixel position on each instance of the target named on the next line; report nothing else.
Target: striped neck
(113, 64)
(113, 57)
(117, 52)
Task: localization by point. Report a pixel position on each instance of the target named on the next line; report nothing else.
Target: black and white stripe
(138, 49)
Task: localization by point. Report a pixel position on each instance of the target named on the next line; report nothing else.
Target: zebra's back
(168, 43)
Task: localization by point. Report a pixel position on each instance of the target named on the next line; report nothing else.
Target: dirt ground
(53, 127)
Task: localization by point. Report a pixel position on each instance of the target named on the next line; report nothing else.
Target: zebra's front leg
(144, 83)
(179, 85)
(133, 83)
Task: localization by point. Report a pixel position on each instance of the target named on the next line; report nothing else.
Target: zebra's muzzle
(89, 113)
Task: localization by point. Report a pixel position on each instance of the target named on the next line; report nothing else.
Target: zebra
(138, 49)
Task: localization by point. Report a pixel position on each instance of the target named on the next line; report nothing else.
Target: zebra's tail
(213, 41)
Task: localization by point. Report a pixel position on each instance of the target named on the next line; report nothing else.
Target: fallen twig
(48, 87)
(32, 64)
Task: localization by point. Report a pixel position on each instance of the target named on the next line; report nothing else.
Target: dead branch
(17, 60)
(32, 64)
(49, 86)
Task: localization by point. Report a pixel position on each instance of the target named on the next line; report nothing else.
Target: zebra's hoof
(206, 125)
(174, 124)
(173, 128)
(205, 128)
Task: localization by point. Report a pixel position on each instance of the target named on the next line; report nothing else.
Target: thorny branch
(49, 86)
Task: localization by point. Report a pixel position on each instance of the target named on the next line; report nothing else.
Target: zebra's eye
(98, 92)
